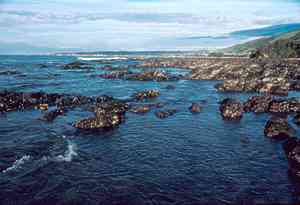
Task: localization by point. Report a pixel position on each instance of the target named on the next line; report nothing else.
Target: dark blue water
(184, 159)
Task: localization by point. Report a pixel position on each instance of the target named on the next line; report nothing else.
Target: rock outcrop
(231, 109)
(278, 128)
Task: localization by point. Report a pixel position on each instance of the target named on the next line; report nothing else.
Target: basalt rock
(278, 128)
(231, 109)
(258, 104)
(165, 114)
(195, 108)
(148, 94)
(292, 151)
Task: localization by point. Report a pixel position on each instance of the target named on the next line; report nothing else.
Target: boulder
(231, 109)
(195, 108)
(278, 128)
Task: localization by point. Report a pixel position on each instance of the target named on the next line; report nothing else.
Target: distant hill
(282, 46)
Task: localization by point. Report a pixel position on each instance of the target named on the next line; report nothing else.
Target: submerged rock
(146, 94)
(195, 108)
(52, 115)
(278, 128)
(165, 113)
(231, 109)
(292, 151)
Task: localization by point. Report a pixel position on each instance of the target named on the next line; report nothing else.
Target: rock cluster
(140, 76)
(231, 109)
(292, 151)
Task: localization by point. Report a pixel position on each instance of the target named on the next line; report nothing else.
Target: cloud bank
(134, 24)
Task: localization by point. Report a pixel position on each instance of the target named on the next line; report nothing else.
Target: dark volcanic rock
(146, 94)
(258, 104)
(292, 151)
(231, 109)
(165, 113)
(195, 108)
(115, 75)
(278, 128)
(52, 115)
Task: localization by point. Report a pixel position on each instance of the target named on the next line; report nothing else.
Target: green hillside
(284, 46)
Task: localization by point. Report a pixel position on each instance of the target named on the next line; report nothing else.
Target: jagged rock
(278, 128)
(231, 109)
(146, 94)
(165, 113)
(195, 108)
(258, 104)
(292, 151)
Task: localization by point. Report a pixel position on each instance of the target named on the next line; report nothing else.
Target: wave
(69, 154)
(102, 58)
(17, 164)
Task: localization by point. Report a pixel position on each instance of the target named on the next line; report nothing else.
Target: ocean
(184, 159)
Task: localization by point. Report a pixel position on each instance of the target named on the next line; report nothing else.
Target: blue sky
(47, 25)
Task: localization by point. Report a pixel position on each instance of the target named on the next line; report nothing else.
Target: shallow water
(183, 159)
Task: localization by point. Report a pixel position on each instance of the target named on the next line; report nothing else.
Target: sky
(88, 25)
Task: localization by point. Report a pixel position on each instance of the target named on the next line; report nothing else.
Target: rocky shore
(273, 76)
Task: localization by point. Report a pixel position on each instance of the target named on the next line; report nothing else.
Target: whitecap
(69, 154)
(102, 58)
(17, 164)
